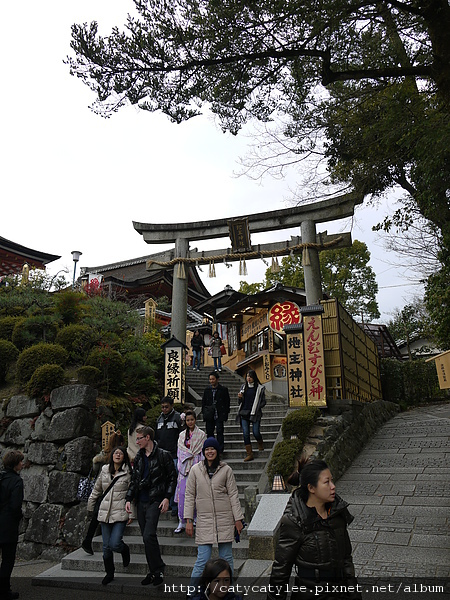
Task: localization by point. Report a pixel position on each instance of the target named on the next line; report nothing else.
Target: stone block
(79, 453)
(262, 548)
(44, 525)
(35, 484)
(41, 427)
(29, 550)
(73, 396)
(17, 432)
(42, 453)
(75, 525)
(22, 406)
(63, 487)
(267, 517)
(70, 424)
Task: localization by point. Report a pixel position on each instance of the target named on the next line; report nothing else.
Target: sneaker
(148, 579)
(158, 579)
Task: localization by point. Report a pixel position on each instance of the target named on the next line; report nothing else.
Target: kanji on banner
(295, 366)
(314, 360)
(283, 313)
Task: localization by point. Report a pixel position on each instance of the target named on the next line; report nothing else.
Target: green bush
(138, 373)
(8, 354)
(38, 355)
(409, 382)
(69, 306)
(7, 325)
(299, 422)
(39, 328)
(78, 340)
(45, 379)
(284, 457)
(89, 376)
(111, 366)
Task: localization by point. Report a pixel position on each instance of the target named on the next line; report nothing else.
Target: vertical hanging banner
(314, 355)
(174, 374)
(266, 367)
(295, 365)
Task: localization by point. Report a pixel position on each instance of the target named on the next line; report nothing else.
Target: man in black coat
(215, 408)
(153, 482)
(11, 498)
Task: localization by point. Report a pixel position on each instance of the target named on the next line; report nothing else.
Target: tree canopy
(346, 275)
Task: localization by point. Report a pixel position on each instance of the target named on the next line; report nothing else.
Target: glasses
(138, 439)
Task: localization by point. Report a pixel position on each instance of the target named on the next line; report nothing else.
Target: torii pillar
(306, 216)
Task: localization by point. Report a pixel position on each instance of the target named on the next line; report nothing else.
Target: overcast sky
(71, 180)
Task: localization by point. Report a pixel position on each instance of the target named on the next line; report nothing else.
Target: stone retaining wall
(58, 439)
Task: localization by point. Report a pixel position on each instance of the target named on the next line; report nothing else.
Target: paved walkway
(399, 492)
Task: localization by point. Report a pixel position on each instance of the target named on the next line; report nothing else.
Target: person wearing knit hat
(211, 442)
(211, 490)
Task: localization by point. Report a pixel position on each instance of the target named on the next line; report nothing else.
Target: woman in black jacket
(11, 498)
(314, 538)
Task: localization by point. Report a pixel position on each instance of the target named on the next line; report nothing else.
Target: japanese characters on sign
(283, 313)
(314, 360)
(239, 234)
(173, 373)
(107, 431)
(295, 366)
(253, 326)
(266, 367)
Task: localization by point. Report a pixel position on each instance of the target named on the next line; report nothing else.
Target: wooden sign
(174, 371)
(108, 429)
(314, 360)
(295, 365)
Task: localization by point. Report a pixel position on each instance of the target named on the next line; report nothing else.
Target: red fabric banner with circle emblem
(283, 313)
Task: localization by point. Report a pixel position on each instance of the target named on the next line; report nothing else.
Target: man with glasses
(153, 482)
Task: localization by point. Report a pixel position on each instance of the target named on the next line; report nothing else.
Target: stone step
(171, 544)
(239, 466)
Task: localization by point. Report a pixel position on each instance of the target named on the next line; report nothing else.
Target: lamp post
(76, 257)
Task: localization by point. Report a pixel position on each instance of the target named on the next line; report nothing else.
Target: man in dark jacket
(11, 498)
(153, 482)
(215, 408)
(168, 427)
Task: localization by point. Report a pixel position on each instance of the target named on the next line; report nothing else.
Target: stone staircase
(78, 570)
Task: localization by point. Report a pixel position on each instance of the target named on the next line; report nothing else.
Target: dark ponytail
(307, 473)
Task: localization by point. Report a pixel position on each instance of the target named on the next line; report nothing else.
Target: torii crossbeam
(306, 216)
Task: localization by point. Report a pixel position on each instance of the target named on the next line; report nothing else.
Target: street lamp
(76, 257)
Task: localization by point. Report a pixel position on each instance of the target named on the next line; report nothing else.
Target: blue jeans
(197, 357)
(245, 424)
(112, 534)
(148, 517)
(204, 554)
(217, 363)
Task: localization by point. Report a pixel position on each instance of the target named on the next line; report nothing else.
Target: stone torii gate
(310, 243)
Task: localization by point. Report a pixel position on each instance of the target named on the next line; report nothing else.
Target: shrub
(36, 356)
(69, 306)
(7, 325)
(45, 379)
(110, 364)
(139, 373)
(409, 382)
(299, 422)
(78, 340)
(8, 354)
(39, 328)
(284, 457)
(89, 376)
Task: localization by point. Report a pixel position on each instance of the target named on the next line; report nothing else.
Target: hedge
(8, 354)
(36, 356)
(45, 379)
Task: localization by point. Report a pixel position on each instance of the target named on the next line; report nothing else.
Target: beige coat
(112, 507)
(216, 501)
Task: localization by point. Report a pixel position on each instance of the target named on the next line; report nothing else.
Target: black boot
(109, 568)
(126, 555)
